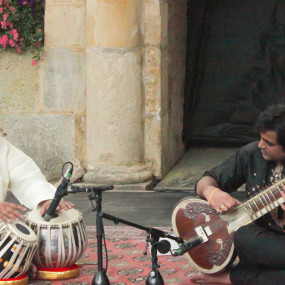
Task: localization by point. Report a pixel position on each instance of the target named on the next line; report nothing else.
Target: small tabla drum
(62, 241)
(18, 245)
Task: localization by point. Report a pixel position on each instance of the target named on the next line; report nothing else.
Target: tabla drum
(18, 245)
(62, 240)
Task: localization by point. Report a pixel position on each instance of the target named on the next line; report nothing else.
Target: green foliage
(22, 26)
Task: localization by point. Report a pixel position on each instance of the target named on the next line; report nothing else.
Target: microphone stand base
(154, 278)
(100, 278)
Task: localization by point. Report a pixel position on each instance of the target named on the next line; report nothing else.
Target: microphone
(163, 246)
(186, 246)
(60, 192)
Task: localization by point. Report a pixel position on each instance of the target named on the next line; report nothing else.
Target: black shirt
(247, 166)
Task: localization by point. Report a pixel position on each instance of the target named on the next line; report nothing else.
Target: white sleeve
(27, 182)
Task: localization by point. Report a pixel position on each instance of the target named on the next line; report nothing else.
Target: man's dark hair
(273, 119)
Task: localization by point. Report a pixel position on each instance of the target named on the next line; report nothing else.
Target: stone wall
(109, 90)
(174, 96)
(165, 31)
(43, 106)
(46, 136)
(63, 71)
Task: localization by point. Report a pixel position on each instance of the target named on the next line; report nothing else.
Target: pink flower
(13, 9)
(19, 50)
(12, 43)
(4, 41)
(34, 62)
(21, 39)
(25, 2)
(4, 25)
(1, 2)
(5, 16)
(1, 10)
(15, 34)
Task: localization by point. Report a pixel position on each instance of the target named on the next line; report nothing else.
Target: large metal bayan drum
(62, 240)
(18, 244)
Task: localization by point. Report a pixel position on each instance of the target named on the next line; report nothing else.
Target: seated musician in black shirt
(261, 244)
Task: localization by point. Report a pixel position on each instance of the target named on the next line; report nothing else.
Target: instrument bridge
(203, 232)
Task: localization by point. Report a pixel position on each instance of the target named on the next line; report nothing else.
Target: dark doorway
(235, 68)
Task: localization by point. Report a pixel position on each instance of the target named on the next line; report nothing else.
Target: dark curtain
(235, 68)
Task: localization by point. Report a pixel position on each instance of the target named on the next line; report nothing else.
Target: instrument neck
(265, 201)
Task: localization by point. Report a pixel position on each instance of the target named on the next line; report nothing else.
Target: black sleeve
(232, 173)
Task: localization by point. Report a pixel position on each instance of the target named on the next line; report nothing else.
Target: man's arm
(208, 188)
(28, 183)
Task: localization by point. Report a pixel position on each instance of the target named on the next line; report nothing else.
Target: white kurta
(22, 176)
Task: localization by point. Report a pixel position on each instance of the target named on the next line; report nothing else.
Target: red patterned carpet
(127, 264)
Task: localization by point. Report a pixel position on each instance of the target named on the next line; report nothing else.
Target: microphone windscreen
(163, 246)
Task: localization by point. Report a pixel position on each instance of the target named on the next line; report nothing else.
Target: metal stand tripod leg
(100, 277)
(154, 277)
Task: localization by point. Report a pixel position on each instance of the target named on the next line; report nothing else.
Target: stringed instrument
(194, 217)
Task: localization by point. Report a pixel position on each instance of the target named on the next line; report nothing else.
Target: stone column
(114, 109)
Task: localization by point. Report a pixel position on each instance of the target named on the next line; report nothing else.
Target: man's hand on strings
(222, 201)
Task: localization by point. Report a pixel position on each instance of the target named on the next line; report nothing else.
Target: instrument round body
(62, 240)
(18, 245)
(193, 217)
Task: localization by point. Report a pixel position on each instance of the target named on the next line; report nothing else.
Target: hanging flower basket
(22, 26)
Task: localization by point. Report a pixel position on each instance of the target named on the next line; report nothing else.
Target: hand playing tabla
(11, 212)
(63, 205)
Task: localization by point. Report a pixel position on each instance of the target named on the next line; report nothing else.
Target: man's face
(270, 149)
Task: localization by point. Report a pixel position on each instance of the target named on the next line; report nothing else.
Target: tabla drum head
(23, 231)
(69, 216)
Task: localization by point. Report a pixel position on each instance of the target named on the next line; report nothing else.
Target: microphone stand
(154, 277)
(100, 278)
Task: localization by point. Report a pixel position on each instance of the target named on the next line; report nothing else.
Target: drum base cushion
(22, 280)
(58, 273)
